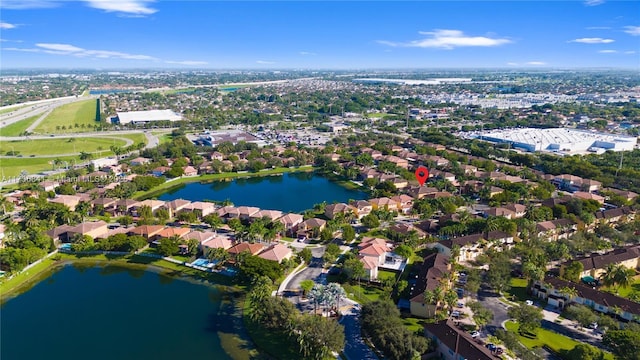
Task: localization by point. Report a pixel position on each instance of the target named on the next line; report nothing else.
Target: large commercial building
(557, 140)
(141, 117)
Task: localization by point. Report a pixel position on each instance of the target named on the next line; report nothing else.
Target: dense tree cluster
(381, 322)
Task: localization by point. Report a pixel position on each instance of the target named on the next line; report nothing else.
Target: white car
(475, 334)
(529, 302)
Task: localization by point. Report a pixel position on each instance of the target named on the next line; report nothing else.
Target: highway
(37, 108)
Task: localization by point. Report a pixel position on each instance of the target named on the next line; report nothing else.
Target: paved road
(36, 108)
(491, 302)
(312, 272)
(355, 347)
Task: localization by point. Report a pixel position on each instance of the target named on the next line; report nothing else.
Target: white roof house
(147, 116)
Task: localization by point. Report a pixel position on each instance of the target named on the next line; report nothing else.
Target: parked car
(593, 325)
(491, 346)
(529, 302)
(455, 313)
(499, 351)
(475, 334)
(460, 305)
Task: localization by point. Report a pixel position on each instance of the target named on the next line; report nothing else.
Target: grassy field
(25, 280)
(13, 166)
(14, 108)
(19, 127)
(136, 138)
(81, 112)
(551, 339)
(362, 293)
(626, 291)
(60, 146)
(518, 291)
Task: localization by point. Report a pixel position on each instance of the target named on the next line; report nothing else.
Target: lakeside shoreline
(207, 178)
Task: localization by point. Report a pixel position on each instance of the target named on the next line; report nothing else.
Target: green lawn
(13, 166)
(14, 108)
(362, 293)
(24, 280)
(61, 146)
(518, 291)
(549, 338)
(81, 112)
(17, 128)
(384, 274)
(626, 291)
(136, 138)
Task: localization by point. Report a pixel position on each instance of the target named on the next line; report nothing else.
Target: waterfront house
(272, 215)
(174, 206)
(277, 253)
(200, 208)
(147, 231)
(362, 208)
(311, 228)
(330, 211)
(291, 222)
(253, 249)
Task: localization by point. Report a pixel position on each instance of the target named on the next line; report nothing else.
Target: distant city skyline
(138, 34)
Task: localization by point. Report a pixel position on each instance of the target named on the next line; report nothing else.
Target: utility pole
(620, 166)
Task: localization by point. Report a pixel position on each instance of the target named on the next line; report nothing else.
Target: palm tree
(569, 293)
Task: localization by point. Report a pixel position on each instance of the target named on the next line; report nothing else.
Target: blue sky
(318, 35)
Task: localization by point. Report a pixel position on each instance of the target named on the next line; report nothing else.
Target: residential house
(189, 171)
(405, 203)
(70, 201)
(372, 253)
(107, 204)
(125, 206)
(405, 229)
(200, 208)
(596, 264)
(627, 195)
(431, 275)
(253, 249)
(362, 208)
(59, 233)
(499, 211)
(175, 206)
(272, 215)
(418, 192)
(153, 204)
(399, 162)
(291, 222)
(139, 161)
(277, 252)
(92, 229)
(149, 232)
(519, 210)
(200, 236)
(588, 196)
(452, 343)
(554, 230)
(310, 227)
(216, 242)
(384, 203)
(160, 170)
(601, 301)
(330, 211)
(245, 212)
(49, 185)
(615, 216)
(170, 232)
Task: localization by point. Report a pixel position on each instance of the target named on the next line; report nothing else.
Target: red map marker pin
(422, 174)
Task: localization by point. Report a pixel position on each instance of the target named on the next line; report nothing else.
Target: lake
(291, 192)
(117, 313)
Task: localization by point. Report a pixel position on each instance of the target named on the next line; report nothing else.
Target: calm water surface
(113, 313)
(292, 192)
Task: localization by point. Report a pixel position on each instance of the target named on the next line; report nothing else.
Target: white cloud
(6, 26)
(307, 53)
(264, 62)
(593, 2)
(598, 28)
(137, 7)
(536, 63)
(187, 62)
(512, 64)
(27, 4)
(592, 41)
(629, 52)
(608, 51)
(632, 30)
(448, 39)
(67, 49)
